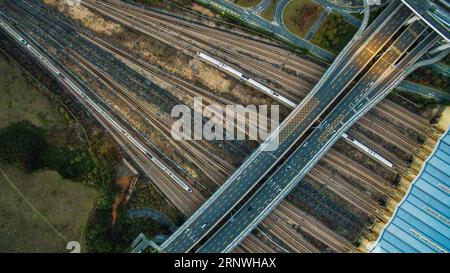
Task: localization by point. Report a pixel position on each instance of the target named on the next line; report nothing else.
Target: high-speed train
(13, 33)
(246, 78)
(91, 103)
(125, 133)
(368, 150)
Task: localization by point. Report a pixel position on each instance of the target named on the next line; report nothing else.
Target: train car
(172, 175)
(22, 41)
(232, 71)
(368, 150)
(52, 67)
(286, 101)
(209, 59)
(220, 64)
(73, 86)
(34, 51)
(14, 34)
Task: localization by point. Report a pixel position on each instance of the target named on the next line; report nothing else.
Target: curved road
(261, 23)
(264, 4)
(343, 8)
(338, 9)
(420, 89)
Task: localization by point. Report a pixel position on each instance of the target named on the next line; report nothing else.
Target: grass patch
(334, 34)
(269, 12)
(65, 204)
(24, 144)
(18, 101)
(300, 15)
(40, 149)
(247, 3)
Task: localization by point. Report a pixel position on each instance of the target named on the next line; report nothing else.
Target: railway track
(371, 181)
(274, 224)
(315, 228)
(279, 225)
(411, 120)
(388, 133)
(168, 36)
(362, 201)
(187, 88)
(253, 244)
(270, 52)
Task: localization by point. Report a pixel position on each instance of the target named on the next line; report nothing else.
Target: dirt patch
(444, 121)
(123, 184)
(87, 18)
(202, 10)
(300, 15)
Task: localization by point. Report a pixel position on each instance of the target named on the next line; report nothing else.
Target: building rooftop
(421, 221)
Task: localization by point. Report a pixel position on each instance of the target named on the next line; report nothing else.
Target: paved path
(264, 4)
(420, 89)
(154, 215)
(315, 27)
(338, 9)
(276, 29)
(344, 8)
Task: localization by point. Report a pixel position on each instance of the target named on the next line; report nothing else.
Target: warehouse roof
(421, 221)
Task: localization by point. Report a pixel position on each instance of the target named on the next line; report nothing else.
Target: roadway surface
(435, 15)
(264, 4)
(346, 8)
(296, 124)
(371, 88)
(411, 87)
(256, 21)
(315, 27)
(339, 10)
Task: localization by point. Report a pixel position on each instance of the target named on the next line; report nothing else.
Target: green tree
(22, 143)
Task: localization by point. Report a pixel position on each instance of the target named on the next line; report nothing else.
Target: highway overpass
(434, 12)
(294, 130)
(374, 85)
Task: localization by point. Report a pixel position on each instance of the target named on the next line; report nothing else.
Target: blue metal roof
(421, 221)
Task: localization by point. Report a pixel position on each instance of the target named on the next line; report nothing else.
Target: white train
(89, 101)
(125, 133)
(368, 150)
(251, 81)
(13, 33)
(35, 52)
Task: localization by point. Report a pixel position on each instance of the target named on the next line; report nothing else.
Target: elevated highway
(434, 12)
(298, 125)
(373, 86)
